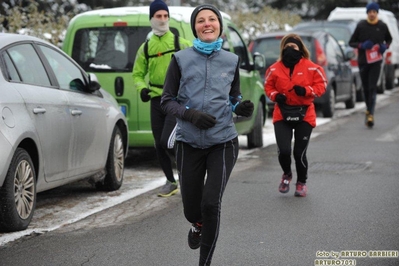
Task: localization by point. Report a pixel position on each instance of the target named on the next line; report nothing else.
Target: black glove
(144, 95)
(245, 108)
(300, 91)
(199, 119)
(280, 98)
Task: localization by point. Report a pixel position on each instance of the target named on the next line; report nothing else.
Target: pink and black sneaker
(301, 190)
(284, 186)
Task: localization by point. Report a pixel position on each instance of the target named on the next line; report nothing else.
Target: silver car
(56, 126)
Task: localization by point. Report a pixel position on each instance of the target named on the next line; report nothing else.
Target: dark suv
(326, 52)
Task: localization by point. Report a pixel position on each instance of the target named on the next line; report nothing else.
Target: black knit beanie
(156, 6)
(200, 8)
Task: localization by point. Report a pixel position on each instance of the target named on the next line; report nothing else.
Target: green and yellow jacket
(154, 61)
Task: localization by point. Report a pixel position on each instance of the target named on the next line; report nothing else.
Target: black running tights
(284, 133)
(203, 175)
(163, 129)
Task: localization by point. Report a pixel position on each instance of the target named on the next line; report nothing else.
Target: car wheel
(18, 193)
(328, 107)
(350, 103)
(255, 138)
(115, 163)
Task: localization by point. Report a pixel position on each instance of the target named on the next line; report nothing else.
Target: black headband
(293, 40)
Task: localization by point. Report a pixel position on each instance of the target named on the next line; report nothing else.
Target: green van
(105, 42)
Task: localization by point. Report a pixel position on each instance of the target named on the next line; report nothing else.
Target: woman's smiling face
(207, 26)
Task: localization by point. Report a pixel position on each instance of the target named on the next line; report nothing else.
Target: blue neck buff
(206, 47)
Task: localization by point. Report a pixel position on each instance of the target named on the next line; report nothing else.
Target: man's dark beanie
(156, 6)
(200, 8)
(372, 6)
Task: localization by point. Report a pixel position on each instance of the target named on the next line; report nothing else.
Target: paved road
(351, 206)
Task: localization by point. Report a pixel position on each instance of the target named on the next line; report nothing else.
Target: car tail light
(251, 46)
(120, 24)
(388, 57)
(321, 58)
(353, 61)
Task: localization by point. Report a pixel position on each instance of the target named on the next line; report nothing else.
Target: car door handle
(76, 112)
(39, 110)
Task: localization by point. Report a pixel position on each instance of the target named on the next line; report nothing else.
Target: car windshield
(109, 49)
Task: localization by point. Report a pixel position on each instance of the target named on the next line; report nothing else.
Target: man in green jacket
(153, 58)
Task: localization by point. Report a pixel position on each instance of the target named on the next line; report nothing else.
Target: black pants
(284, 132)
(369, 74)
(163, 129)
(203, 175)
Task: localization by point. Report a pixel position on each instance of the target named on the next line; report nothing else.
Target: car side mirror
(259, 61)
(76, 85)
(94, 85)
(350, 53)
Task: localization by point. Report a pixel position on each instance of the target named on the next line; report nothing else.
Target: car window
(309, 42)
(69, 76)
(239, 47)
(334, 52)
(109, 49)
(331, 53)
(269, 47)
(28, 65)
(341, 34)
(12, 73)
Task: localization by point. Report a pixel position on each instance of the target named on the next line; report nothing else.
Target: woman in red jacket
(293, 82)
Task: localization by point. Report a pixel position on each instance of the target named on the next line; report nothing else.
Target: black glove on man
(144, 95)
(199, 119)
(245, 108)
(300, 91)
(281, 98)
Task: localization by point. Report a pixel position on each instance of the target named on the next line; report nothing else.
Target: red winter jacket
(306, 74)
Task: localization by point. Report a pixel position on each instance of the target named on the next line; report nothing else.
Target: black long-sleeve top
(377, 33)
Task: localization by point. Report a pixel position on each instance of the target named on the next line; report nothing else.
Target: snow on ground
(136, 182)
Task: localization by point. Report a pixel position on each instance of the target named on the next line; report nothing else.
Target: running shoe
(301, 190)
(370, 120)
(284, 186)
(168, 189)
(194, 235)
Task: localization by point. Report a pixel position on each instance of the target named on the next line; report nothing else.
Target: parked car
(57, 126)
(342, 32)
(390, 70)
(105, 42)
(326, 52)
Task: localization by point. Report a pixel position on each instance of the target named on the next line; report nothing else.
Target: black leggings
(369, 74)
(203, 175)
(163, 129)
(284, 132)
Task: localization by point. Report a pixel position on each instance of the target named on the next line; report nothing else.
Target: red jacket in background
(306, 74)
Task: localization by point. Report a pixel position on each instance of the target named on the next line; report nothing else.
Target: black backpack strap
(146, 50)
(177, 43)
(177, 48)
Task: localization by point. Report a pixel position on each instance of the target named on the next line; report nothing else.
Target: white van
(391, 68)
